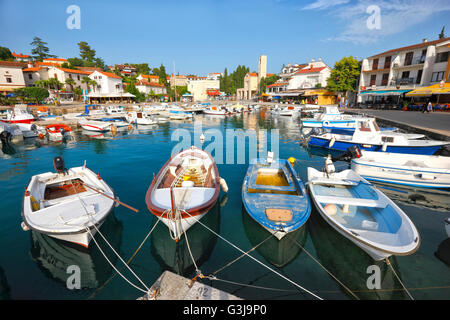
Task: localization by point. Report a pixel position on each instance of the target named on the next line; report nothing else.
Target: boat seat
(352, 201)
(331, 181)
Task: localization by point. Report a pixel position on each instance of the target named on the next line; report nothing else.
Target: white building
(107, 83)
(11, 76)
(400, 70)
(147, 87)
(315, 74)
(199, 88)
(214, 76)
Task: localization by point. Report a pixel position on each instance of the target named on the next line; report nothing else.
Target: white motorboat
(115, 110)
(19, 114)
(56, 132)
(405, 169)
(216, 110)
(30, 130)
(288, 111)
(93, 125)
(362, 213)
(142, 118)
(66, 204)
(330, 116)
(368, 136)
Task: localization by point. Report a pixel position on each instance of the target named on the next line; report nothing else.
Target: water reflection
(54, 256)
(278, 252)
(349, 263)
(175, 256)
(443, 251)
(4, 286)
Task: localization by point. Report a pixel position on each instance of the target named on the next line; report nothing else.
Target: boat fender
(224, 185)
(426, 176)
(329, 166)
(202, 138)
(35, 206)
(384, 147)
(24, 226)
(116, 204)
(332, 141)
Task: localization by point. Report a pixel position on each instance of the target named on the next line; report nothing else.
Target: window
(30, 76)
(375, 64)
(387, 62)
(373, 79)
(442, 57)
(419, 76)
(78, 77)
(384, 80)
(405, 74)
(70, 75)
(437, 76)
(408, 58)
(8, 80)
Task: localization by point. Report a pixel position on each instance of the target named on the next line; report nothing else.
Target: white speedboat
(142, 118)
(66, 204)
(10, 132)
(288, 111)
(115, 111)
(216, 110)
(330, 116)
(405, 169)
(19, 114)
(92, 125)
(30, 130)
(362, 213)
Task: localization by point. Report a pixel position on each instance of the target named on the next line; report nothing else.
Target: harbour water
(34, 266)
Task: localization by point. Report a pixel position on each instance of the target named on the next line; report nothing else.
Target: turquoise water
(33, 266)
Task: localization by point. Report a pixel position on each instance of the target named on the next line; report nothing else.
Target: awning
(287, 94)
(384, 92)
(318, 92)
(428, 91)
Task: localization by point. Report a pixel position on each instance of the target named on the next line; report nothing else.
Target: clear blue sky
(209, 35)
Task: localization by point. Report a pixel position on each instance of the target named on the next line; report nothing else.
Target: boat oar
(114, 199)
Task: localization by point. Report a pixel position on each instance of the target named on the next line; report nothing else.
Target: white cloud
(323, 4)
(396, 17)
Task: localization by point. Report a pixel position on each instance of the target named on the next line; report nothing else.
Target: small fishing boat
(184, 190)
(179, 115)
(66, 204)
(396, 168)
(216, 110)
(274, 196)
(118, 122)
(93, 110)
(19, 114)
(331, 116)
(362, 213)
(93, 125)
(367, 136)
(10, 132)
(56, 132)
(288, 111)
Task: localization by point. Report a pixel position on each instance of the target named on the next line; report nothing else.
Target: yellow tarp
(318, 92)
(428, 91)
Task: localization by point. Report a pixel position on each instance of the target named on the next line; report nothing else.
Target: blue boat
(275, 197)
(368, 136)
(351, 130)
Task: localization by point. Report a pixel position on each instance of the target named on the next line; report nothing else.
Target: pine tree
(40, 50)
(442, 34)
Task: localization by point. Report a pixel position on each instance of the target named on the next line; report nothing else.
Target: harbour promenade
(436, 125)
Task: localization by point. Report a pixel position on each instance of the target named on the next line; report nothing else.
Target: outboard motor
(5, 137)
(34, 128)
(58, 164)
(351, 153)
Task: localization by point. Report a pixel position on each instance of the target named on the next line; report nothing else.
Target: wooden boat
(362, 213)
(64, 204)
(92, 125)
(367, 136)
(56, 132)
(418, 170)
(274, 196)
(185, 189)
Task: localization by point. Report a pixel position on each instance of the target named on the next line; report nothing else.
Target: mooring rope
(332, 275)
(256, 260)
(398, 278)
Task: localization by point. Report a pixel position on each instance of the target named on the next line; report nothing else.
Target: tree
(86, 80)
(344, 76)
(442, 34)
(40, 50)
(86, 53)
(5, 54)
(33, 93)
(71, 83)
(131, 88)
(76, 62)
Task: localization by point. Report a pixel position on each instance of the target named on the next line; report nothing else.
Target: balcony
(417, 61)
(403, 82)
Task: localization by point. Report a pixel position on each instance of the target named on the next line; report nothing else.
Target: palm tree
(42, 84)
(71, 83)
(93, 83)
(86, 80)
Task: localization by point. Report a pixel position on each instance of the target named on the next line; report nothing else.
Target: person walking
(429, 107)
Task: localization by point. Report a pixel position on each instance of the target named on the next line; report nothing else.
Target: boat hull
(340, 145)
